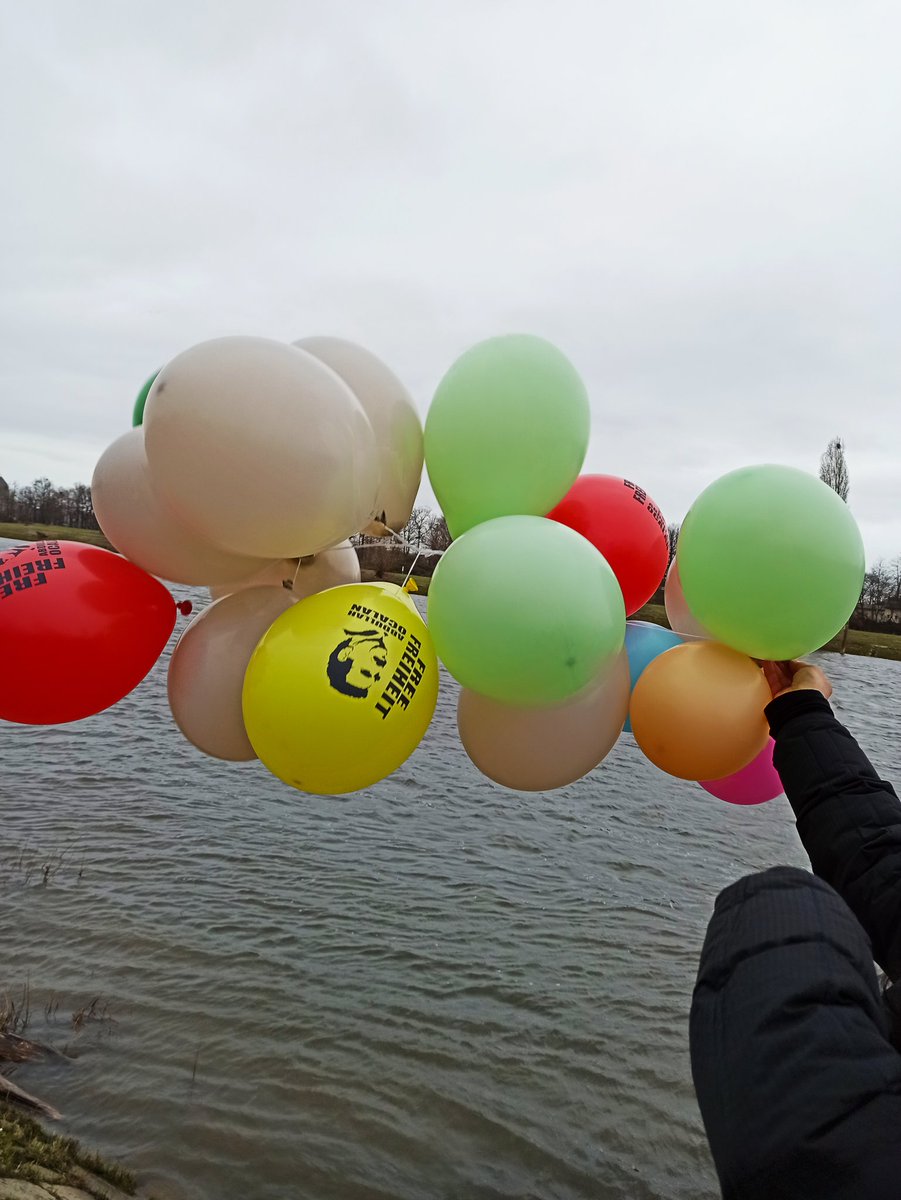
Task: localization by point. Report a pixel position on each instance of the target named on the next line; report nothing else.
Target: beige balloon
(329, 568)
(274, 574)
(302, 576)
(537, 749)
(679, 615)
(206, 671)
(395, 423)
(260, 448)
(145, 531)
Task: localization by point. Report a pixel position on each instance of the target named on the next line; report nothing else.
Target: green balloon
(526, 611)
(507, 431)
(771, 561)
(137, 417)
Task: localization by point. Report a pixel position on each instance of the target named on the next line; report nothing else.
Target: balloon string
(410, 572)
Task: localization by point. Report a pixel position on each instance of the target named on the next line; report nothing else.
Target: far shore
(860, 641)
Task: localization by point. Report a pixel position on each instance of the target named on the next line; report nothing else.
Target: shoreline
(861, 642)
(34, 1163)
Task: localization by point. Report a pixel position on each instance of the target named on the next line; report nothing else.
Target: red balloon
(625, 524)
(80, 627)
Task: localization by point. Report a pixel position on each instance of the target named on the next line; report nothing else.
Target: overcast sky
(699, 202)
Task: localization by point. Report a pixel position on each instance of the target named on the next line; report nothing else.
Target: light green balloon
(771, 561)
(507, 431)
(526, 611)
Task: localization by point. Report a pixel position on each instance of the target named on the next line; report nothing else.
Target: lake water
(435, 989)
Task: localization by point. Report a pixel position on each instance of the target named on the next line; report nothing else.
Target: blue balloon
(644, 641)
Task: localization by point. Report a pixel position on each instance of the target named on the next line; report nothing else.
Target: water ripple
(436, 989)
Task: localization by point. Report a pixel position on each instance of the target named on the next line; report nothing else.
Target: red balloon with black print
(623, 522)
(80, 627)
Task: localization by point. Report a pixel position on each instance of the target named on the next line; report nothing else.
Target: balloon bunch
(249, 466)
(769, 565)
(528, 607)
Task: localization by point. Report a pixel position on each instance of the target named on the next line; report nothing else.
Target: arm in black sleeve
(799, 1089)
(848, 818)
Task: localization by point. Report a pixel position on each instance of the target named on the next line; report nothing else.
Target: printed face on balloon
(357, 663)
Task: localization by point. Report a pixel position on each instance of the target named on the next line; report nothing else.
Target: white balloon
(681, 618)
(145, 531)
(260, 448)
(394, 419)
(207, 667)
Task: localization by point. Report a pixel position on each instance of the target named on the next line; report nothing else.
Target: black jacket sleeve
(848, 818)
(799, 1089)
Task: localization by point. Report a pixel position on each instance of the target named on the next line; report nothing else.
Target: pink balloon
(754, 784)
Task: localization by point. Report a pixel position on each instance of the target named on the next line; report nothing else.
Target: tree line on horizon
(42, 503)
(426, 534)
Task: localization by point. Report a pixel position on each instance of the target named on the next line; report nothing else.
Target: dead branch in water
(16, 1095)
(15, 1049)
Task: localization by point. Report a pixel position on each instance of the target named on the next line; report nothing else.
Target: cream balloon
(142, 529)
(302, 576)
(260, 448)
(681, 618)
(329, 568)
(274, 574)
(537, 749)
(206, 671)
(394, 419)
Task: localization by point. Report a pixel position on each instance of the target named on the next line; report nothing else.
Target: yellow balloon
(341, 689)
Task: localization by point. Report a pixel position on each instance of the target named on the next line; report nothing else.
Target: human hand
(795, 677)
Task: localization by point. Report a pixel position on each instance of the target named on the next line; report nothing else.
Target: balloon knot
(185, 607)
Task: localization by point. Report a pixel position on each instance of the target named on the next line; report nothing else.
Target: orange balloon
(697, 711)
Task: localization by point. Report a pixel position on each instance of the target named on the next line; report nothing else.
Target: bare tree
(672, 533)
(416, 530)
(834, 468)
(439, 534)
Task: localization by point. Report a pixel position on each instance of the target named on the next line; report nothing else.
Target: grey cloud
(699, 205)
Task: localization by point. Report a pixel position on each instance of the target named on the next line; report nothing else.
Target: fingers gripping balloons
(697, 711)
(340, 689)
(80, 628)
(525, 611)
(507, 431)
(771, 561)
(621, 520)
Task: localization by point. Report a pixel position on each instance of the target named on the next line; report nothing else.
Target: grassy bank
(422, 581)
(860, 641)
(28, 1152)
(52, 533)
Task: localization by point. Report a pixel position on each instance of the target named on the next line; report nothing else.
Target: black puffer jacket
(798, 1085)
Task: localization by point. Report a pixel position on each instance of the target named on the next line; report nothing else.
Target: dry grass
(51, 533)
(27, 1150)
